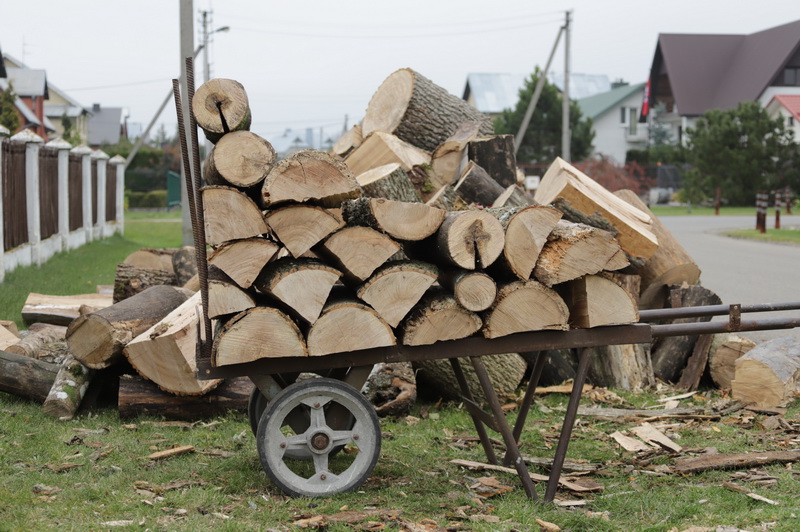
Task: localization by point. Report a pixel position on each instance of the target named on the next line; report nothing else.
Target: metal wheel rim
(274, 447)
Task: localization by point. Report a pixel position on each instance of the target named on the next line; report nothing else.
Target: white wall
(612, 137)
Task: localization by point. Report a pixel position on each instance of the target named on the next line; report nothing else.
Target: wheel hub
(320, 441)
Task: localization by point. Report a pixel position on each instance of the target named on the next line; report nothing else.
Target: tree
(8, 110)
(70, 133)
(742, 151)
(616, 177)
(542, 142)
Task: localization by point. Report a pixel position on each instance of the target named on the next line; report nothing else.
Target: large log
(60, 310)
(525, 306)
(396, 287)
(625, 367)
(526, 231)
(300, 227)
(476, 186)
(769, 374)
(243, 260)
(400, 220)
(348, 325)
(26, 377)
(418, 111)
(435, 378)
(230, 215)
(563, 180)
(141, 397)
(391, 388)
(496, 155)
(380, 148)
(69, 387)
(726, 349)
(151, 259)
(670, 265)
(240, 159)
(130, 280)
(97, 339)
(303, 285)
(358, 251)
(438, 317)
(471, 240)
(260, 332)
(33, 343)
(184, 264)
(450, 157)
(309, 176)
(389, 181)
(219, 106)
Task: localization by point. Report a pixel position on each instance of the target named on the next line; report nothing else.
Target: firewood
(10, 326)
(69, 387)
(358, 251)
(391, 388)
(477, 187)
(260, 332)
(389, 181)
(725, 350)
(26, 377)
(450, 157)
(151, 259)
(141, 397)
(670, 265)
(230, 215)
(587, 196)
(300, 227)
(524, 306)
(418, 111)
(219, 106)
(130, 280)
(448, 199)
(97, 339)
(435, 378)
(380, 148)
(348, 325)
(59, 310)
(574, 250)
(696, 364)
(400, 220)
(473, 290)
(513, 196)
(348, 142)
(33, 343)
(242, 260)
(470, 239)
(705, 462)
(165, 352)
(424, 179)
(526, 231)
(594, 301)
(240, 159)
(309, 176)
(625, 367)
(436, 318)
(225, 297)
(184, 264)
(396, 287)
(7, 338)
(767, 375)
(496, 155)
(302, 285)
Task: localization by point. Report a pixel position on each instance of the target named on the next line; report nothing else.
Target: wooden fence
(55, 198)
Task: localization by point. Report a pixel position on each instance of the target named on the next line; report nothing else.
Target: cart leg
(502, 425)
(479, 428)
(568, 425)
(524, 408)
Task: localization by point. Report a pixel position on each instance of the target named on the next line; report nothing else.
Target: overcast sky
(310, 63)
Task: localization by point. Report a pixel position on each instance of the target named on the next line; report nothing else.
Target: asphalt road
(743, 271)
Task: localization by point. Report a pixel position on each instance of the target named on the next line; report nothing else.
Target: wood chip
(652, 435)
(548, 527)
(570, 485)
(171, 452)
(628, 443)
(561, 388)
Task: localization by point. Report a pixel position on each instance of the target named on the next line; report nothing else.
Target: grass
(787, 235)
(682, 210)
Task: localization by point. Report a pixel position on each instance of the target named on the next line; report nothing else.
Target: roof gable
(790, 102)
(599, 104)
(27, 82)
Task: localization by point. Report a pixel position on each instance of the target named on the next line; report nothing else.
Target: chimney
(96, 107)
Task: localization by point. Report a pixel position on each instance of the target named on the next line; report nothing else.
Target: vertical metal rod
(524, 408)
(491, 457)
(512, 448)
(568, 425)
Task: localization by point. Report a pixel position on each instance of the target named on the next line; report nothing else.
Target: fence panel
(111, 193)
(75, 191)
(94, 191)
(48, 191)
(15, 206)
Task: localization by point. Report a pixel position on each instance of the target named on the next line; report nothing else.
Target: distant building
(105, 125)
(30, 86)
(787, 107)
(615, 120)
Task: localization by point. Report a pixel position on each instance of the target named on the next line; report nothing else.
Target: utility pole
(565, 131)
(186, 50)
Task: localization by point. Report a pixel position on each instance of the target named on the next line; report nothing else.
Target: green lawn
(788, 236)
(680, 210)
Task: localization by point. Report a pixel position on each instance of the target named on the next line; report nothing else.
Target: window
(791, 76)
(790, 121)
(623, 116)
(634, 120)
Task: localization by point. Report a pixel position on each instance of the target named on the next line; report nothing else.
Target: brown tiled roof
(791, 102)
(719, 71)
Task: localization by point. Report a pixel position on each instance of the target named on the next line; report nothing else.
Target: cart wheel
(324, 474)
(255, 407)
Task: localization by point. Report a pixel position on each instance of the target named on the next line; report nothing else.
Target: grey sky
(309, 63)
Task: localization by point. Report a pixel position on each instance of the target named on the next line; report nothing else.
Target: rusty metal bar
(711, 310)
(710, 327)
(525, 406)
(491, 457)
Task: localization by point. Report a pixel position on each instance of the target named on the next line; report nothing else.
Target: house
(693, 73)
(105, 125)
(30, 86)
(615, 120)
(787, 107)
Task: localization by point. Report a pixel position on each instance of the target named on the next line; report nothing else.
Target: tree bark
(303, 285)
(513, 196)
(59, 310)
(69, 387)
(260, 332)
(450, 157)
(625, 367)
(392, 389)
(526, 231)
(726, 349)
(396, 287)
(129, 281)
(151, 259)
(524, 306)
(26, 377)
(219, 106)
(400, 220)
(32, 344)
(768, 375)
(348, 325)
(239, 159)
(435, 378)
(300, 227)
(496, 155)
(230, 215)
(477, 187)
(389, 181)
(184, 264)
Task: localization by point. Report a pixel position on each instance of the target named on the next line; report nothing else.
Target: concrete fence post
(101, 159)
(63, 148)
(32, 144)
(118, 162)
(86, 179)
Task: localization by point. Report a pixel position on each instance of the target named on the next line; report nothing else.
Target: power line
(120, 85)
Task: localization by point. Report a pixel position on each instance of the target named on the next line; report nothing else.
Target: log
(184, 264)
(696, 364)
(471, 240)
(475, 291)
(563, 180)
(380, 148)
(526, 231)
(400, 220)
(391, 388)
(669, 354)
(448, 199)
(670, 265)
(438, 317)
(625, 367)
(59, 310)
(574, 250)
(768, 374)
(230, 215)
(396, 287)
(26, 377)
(348, 142)
(348, 325)
(165, 352)
(389, 181)
(496, 155)
(524, 306)
(418, 111)
(309, 176)
(726, 349)
(476, 186)
(97, 339)
(225, 297)
(151, 259)
(239, 159)
(358, 251)
(450, 157)
(513, 196)
(424, 179)
(7, 338)
(141, 397)
(260, 332)
(300, 227)
(219, 106)
(33, 343)
(435, 378)
(129, 281)
(595, 301)
(69, 387)
(303, 285)
(242, 260)
(10, 326)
